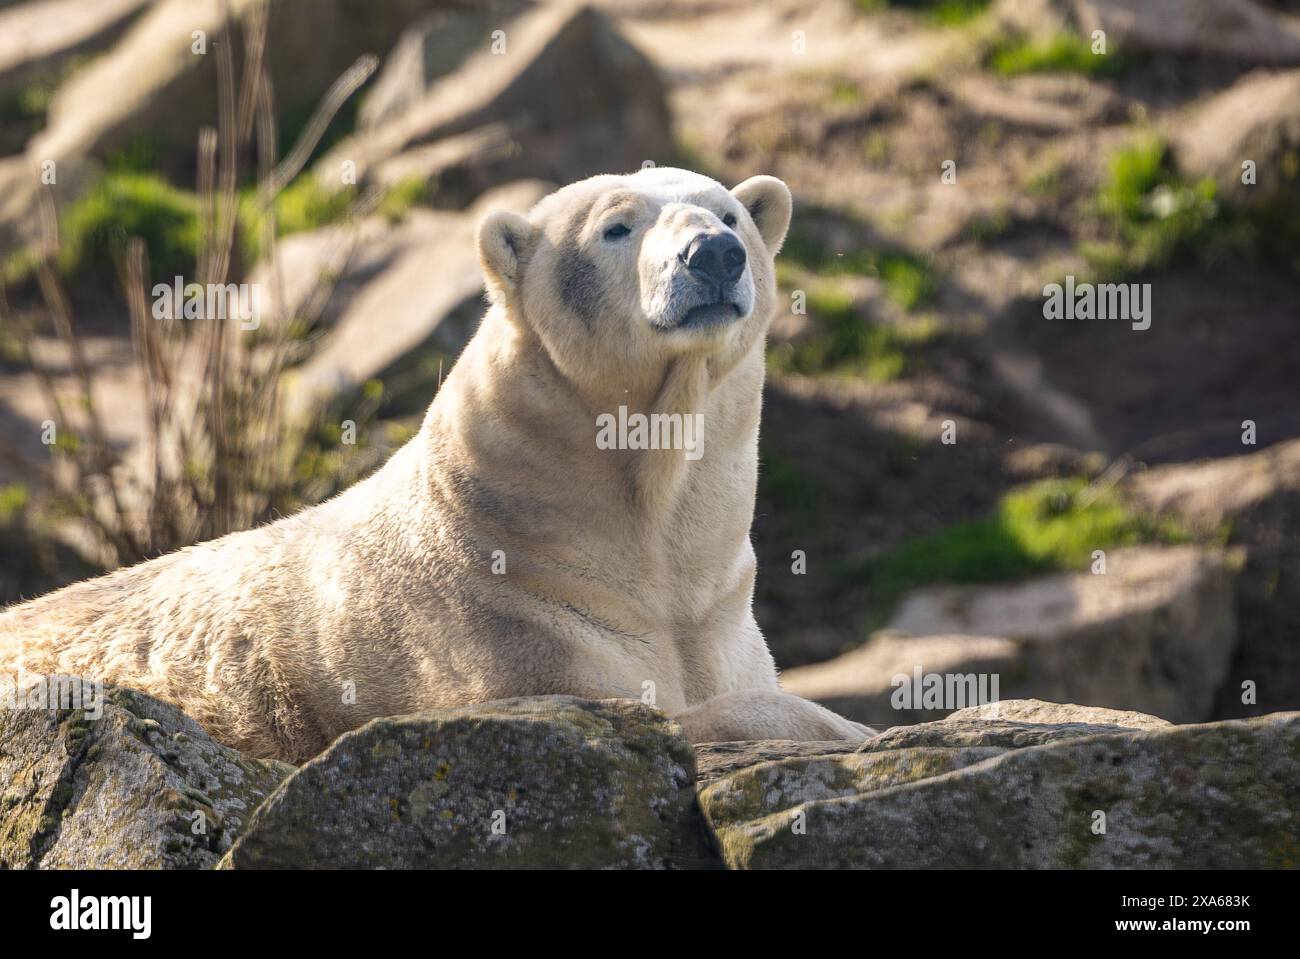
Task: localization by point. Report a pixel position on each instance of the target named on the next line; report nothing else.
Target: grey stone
(140, 787)
(548, 781)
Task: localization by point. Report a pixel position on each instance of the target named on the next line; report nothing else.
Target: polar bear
(534, 537)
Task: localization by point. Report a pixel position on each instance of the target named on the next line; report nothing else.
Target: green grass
(305, 204)
(1045, 527)
(847, 343)
(1064, 53)
(13, 500)
(402, 196)
(1151, 216)
(95, 229)
(948, 13)
(909, 280)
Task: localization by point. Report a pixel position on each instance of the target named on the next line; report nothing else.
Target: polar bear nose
(716, 258)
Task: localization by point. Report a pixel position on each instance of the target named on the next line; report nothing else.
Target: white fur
(626, 570)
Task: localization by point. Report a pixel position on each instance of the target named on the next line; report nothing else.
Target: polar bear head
(624, 271)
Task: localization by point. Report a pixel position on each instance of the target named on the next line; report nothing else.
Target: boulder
(38, 39)
(1087, 790)
(1256, 119)
(132, 784)
(40, 43)
(164, 91)
(427, 50)
(1241, 30)
(1253, 502)
(1155, 633)
(548, 781)
(565, 98)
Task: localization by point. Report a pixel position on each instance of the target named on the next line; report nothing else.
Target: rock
(1156, 633)
(36, 39)
(568, 98)
(715, 760)
(1238, 29)
(1037, 711)
(399, 292)
(977, 793)
(548, 781)
(121, 791)
(40, 43)
(1041, 102)
(427, 50)
(1252, 502)
(1213, 492)
(164, 91)
(1256, 119)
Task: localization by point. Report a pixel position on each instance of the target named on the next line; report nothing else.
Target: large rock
(543, 782)
(38, 38)
(40, 42)
(140, 787)
(1092, 790)
(1256, 119)
(428, 50)
(566, 98)
(1241, 30)
(164, 91)
(1155, 633)
(1254, 503)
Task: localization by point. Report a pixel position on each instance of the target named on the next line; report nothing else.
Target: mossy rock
(119, 786)
(1118, 791)
(545, 782)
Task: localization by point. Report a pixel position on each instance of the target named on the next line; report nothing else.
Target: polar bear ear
(504, 241)
(768, 201)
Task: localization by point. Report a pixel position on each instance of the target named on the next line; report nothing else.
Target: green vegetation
(305, 204)
(122, 205)
(988, 226)
(1064, 53)
(909, 280)
(943, 12)
(13, 500)
(1151, 216)
(402, 196)
(25, 107)
(1048, 181)
(848, 343)
(140, 153)
(1047, 526)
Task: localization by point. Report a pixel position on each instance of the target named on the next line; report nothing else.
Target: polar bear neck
(521, 440)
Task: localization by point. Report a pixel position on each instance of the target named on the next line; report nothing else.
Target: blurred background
(950, 482)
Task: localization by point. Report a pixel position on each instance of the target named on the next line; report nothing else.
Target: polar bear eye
(729, 219)
(617, 231)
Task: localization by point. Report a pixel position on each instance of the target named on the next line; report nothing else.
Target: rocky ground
(948, 159)
(557, 782)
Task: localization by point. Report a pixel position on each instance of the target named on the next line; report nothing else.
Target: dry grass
(220, 457)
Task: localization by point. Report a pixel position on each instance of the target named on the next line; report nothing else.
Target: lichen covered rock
(140, 787)
(1086, 790)
(553, 782)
